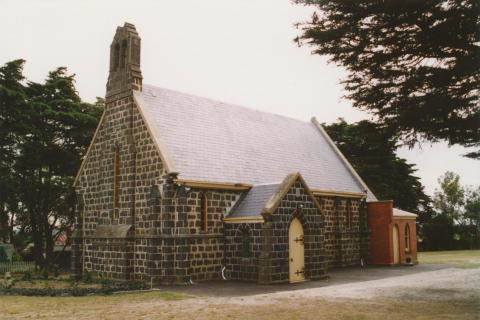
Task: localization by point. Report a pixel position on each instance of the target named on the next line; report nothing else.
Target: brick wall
(380, 221)
(243, 248)
(411, 255)
(207, 249)
(140, 168)
(184, 250)
(109, 257)
(346, 231)
(273, 259)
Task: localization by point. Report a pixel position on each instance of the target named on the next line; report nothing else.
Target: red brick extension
(381, 222)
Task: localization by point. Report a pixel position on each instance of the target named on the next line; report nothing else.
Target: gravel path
(444, 284)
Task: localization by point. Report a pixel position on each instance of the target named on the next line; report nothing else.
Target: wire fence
(17, 266)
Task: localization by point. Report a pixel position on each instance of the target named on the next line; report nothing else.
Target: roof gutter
(327, 193)
(214, 185)
(244, 219)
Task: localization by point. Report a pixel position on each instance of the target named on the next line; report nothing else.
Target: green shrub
(106, 283)
(3, 255)
(110, 287)
(56, 270)
(27, 276)
(16, 256)
(87, 277)
(72, 280)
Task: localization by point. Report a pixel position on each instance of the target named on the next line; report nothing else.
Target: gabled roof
(404, 214)
(263, 199)
(211, 141)
(254, 201)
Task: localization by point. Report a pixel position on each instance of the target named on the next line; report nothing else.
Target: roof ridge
(230, 104)
(266, 184)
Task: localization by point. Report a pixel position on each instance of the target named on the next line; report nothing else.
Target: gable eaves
(159, 144)
(273, 203)
(347, 164)
(84, 161)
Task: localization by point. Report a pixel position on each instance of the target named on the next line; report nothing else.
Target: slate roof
(214, 141)
(401, 213)
(254, 201)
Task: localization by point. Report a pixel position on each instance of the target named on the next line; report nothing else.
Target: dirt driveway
(417, 282)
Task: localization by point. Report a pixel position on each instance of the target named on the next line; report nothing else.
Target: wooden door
(395, 245)
(296, 251)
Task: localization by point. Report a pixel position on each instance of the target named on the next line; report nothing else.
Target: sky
(237, 51)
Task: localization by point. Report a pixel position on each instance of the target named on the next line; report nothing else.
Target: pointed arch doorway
(395, 245)
(296, 251)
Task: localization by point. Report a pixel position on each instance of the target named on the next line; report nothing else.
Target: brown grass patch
(165, 305)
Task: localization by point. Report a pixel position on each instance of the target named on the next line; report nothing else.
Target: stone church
(176, 188)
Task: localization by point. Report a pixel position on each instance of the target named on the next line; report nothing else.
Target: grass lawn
(459, 259)
(164, 305)
(169, 305)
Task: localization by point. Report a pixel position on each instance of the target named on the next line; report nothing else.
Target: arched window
(246, 243)
(203, 213)
(116, 56)
(123, 54)
(407, 238)
(349, 214)
(116, 182)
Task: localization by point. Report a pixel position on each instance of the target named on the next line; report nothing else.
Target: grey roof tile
(402, 213)
(213, 141)
(254, 201)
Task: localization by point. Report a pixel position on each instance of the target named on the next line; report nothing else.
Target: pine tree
(372, 152)
(413, 64)
(45, 131)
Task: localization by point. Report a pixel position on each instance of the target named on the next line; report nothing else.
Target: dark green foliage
(472, 207)
(438, 234)
(3, 255)
(45, 130)
(75, 290)
(14, 110)
(87, 277)
(6, 252)
(372, 152)
(56, 270)
(27, 276)
(413, 64)
(455, 223)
